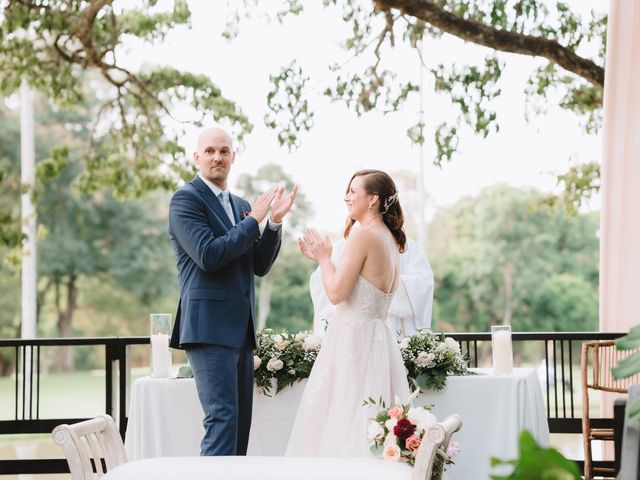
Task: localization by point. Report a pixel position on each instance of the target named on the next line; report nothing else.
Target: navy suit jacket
(216, 264)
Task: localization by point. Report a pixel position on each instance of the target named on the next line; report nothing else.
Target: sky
(522, 154)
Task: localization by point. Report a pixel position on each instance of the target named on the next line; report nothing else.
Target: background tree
(83, 238)
(501, 257)
(568, 70)
(250, 187)
(135, 127)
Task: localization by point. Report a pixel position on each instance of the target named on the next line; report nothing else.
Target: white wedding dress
(359, 359)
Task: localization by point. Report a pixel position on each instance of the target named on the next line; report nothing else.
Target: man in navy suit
(219, 248)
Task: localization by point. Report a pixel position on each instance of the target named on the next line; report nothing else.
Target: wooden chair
(92, 447)
(598, 357)
(294, 468)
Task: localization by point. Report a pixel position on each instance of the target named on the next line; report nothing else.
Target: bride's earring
(370, 207)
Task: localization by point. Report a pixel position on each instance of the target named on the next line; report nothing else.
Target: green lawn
(62, 395)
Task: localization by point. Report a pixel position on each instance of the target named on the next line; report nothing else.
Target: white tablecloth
(165, 418)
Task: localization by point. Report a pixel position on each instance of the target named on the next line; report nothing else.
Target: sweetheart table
(165, 418)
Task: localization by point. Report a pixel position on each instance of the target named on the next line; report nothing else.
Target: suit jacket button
(247, 293)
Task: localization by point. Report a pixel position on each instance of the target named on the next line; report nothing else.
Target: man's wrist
(273, 225)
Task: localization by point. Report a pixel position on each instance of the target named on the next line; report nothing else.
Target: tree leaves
(133, 141)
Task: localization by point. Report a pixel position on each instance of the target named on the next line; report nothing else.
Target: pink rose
(391, 453)
(395, 412)
(413, 442)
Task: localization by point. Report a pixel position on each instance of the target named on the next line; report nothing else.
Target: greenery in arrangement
(537, 463)
(430, 358)
(283, 357)
(630, 365)
(287, 358)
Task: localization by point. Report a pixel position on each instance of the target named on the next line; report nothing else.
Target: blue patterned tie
(224, 199)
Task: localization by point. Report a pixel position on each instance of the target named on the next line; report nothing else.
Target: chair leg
(587, 456)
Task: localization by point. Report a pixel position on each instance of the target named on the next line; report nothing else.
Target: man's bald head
(210, 133)
(215, 155)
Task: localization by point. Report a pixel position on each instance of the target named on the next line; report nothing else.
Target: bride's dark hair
(376, 182)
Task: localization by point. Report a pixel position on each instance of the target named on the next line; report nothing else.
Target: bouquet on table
(430, 358)
(283, 357)
(396, 433)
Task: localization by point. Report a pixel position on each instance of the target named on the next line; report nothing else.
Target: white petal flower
(374, 432)
(312, 342)
(426, 421)
(452, 345)
(274, 364)
(391, 423)
(256, 362)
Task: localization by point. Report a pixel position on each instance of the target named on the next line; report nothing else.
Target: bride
(360, 357)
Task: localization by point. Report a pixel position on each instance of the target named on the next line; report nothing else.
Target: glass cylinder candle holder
(501, 350)
(160, 331)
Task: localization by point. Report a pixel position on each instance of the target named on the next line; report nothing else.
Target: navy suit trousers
(224, 381)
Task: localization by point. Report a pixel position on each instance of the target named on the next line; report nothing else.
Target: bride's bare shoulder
(362, 236)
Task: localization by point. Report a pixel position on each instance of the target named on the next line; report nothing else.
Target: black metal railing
(557, 353)
(27, 372)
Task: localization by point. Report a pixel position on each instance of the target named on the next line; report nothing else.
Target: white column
(620, 187)
(29, 272)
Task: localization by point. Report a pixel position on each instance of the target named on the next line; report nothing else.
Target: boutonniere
(245, 214)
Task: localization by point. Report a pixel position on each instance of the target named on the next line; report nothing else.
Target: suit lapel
(211, 200)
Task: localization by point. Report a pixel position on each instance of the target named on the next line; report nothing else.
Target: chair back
(436, 438)
(88, 444)
(598, 357)
(601, 356)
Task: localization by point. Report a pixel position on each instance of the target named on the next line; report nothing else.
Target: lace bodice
(367, 302)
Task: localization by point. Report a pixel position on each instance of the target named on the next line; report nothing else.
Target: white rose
(274, 364)
(404, 343)
(281, 345)
(374, 432)
(415, 415)
(391, 453)
(391, 423)
(390, 439)
(452, 345)
(256, 362)
(277, 338)
(312, 342)
(299, 337)
(424, 359)
(427, 421)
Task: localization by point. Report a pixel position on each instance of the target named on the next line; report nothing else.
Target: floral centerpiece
(396, 433)
(284, 357)
(430, 358)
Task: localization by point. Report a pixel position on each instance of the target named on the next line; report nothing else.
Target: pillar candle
(502, 353)
(160, 356)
